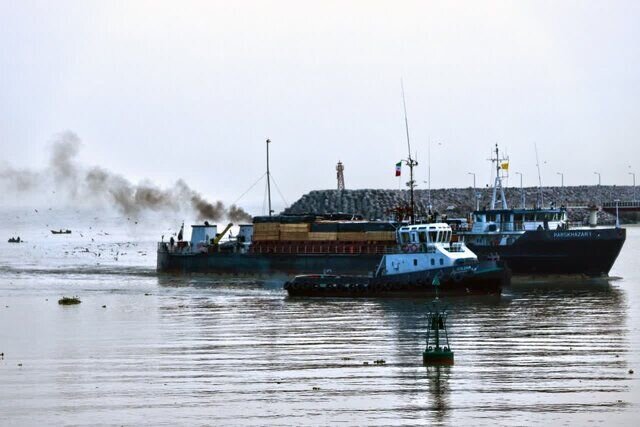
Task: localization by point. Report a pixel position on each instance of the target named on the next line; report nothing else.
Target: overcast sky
(186, 89)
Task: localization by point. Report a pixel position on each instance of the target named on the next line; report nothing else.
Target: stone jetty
(459, 202)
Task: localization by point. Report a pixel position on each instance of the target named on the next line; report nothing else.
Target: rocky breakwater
(457, 202)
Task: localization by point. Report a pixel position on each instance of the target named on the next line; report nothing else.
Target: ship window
(441, 261)
(415, 262)
(433, 261)
(477, 218)
(422, 236)
(404, 237)
(432, 236)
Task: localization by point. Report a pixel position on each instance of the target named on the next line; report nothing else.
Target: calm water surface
(171, 350)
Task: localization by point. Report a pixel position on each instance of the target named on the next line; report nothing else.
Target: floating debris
(69, 301)
(631, 371)
(316, 388)
(379, 362)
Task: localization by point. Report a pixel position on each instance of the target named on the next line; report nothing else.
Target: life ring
(413, 247)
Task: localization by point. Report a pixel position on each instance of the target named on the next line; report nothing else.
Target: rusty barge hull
(266, 265)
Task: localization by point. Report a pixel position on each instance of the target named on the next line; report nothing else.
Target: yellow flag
(504, 165)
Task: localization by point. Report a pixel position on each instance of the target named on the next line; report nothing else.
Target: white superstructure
(427, 247)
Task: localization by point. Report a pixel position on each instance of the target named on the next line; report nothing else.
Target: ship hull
(487, 280)
(266, 265)
(589, 252)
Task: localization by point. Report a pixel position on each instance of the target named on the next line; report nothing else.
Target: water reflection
(539, 347)
(438, 377)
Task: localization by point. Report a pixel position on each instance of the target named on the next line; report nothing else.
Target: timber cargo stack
(321, 234)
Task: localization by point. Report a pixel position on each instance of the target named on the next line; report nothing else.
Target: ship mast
(498, 183)
(409, 161)
(268, 179)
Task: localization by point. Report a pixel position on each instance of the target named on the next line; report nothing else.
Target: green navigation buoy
(437, 351)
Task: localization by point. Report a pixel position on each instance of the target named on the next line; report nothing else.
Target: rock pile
(457, 202)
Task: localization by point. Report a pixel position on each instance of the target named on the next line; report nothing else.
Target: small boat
(425, 257)
(15, 240)
(61, 231)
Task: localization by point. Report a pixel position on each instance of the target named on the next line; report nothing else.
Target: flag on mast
(504, 165)
(398, 168)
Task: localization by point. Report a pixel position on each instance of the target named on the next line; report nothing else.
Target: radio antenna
(410, 161)
(406, 120)
(540, 195)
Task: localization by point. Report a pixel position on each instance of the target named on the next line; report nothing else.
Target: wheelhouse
(424, 234)
(518, 220)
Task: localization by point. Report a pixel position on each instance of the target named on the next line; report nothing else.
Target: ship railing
(456, 247)
(575, 224)
(176, 248)
(631, 204)
(321, 249)
(411, 248)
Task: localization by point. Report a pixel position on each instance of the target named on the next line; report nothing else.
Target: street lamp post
(599, 181)
(521, 190)
(634, 185)
(561, 178)
(475, 193)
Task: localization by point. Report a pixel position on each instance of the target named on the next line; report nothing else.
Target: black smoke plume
(100, 184)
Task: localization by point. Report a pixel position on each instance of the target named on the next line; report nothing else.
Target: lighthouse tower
(340, 174)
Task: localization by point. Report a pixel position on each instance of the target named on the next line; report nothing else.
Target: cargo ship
(282, 246)
(541, 241)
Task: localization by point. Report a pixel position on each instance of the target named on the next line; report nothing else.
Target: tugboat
(424, 254)
(540, 241)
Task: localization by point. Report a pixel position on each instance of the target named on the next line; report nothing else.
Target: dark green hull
(487, 279)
